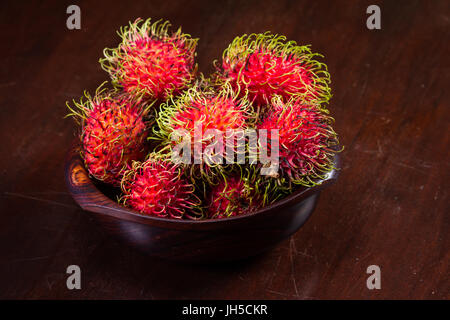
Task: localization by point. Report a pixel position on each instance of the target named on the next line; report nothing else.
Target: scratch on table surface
(279, 293)
(287, 295)
(380, 150)
(404, 165)
(29, 259)
(293, 248)
(274, 273)
(49, 285)
(363, 258)
(303, 253)
(13, 194)
(363, 88)
(425, 164)
(292, 245)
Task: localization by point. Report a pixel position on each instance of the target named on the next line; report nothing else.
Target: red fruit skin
(156, 188)
(306, 140)
(114, 133)
(227, 199)
(156, 67)
(217, 112)
(150, 62)
(266, 65)
(265, 74)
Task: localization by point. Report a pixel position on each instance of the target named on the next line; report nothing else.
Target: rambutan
(199, 113)
(307, 142)
(113, 132)
(156, 187)
(267, 65)
(150, 61)
(234, 196)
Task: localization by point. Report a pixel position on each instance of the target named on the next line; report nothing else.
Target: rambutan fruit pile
(172, 143)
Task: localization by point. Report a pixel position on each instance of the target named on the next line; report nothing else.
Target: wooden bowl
(194, 241)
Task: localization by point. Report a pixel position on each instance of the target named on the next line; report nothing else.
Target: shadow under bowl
(212, 240)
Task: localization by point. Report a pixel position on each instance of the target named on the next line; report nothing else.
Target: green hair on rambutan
(114, 130)
(150, 61)
(239, 192)
(157, 187)
(307, 143)
(194, 118)
(267, 65)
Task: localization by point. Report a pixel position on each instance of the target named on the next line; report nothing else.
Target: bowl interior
(101, 198)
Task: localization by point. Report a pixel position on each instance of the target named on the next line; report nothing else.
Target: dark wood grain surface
(389, 207)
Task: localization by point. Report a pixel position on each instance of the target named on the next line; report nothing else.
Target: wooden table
(389, 208)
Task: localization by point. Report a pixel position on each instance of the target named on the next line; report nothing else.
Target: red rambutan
(267, 65)
(195, 113)
(151, 62)
(113, 133)
(156, 187)
(307, 142)
(233, 196)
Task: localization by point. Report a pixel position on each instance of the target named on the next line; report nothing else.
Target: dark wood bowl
(194, 241)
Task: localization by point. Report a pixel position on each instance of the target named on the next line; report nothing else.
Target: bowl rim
(74, 170)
